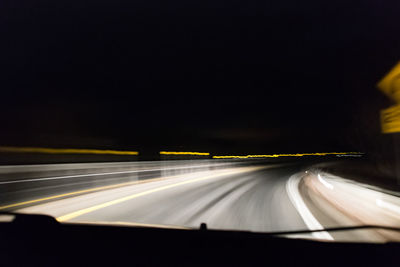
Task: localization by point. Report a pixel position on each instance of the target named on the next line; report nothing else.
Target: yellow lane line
(64, 151)
(184, 153)
(83, 191)
(158, 189)
(133, 224)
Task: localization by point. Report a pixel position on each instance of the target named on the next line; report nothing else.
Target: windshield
(264, 117)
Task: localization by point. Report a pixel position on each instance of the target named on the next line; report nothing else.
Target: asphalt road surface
(268, 198)
(247, 198)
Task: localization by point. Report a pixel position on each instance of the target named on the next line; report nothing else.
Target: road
(249, 198)
(267, 198)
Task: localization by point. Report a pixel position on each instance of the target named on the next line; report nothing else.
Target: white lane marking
(99, 174)
(292, 189)
(387, 205)
(324, 182)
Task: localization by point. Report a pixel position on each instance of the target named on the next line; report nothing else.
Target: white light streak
(387, 205)
(325, 183)
(292, 189)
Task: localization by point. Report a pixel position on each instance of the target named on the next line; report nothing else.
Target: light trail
(101, 174)
(387, 205)
(44, 150)
(292, 189)
(325, 183)
(287, 155)
(184, 153)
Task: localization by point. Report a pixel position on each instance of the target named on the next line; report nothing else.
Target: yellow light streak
(43, 150)
(184, 153)
(287, 155)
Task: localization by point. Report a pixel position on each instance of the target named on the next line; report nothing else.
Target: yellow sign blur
(390, 84)
(390, 119)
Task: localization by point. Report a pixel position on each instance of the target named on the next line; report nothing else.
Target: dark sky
(224, 76)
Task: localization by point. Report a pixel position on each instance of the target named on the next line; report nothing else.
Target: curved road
(247, 198)
(270, 198)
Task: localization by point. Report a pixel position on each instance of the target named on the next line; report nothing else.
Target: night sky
(219, 76)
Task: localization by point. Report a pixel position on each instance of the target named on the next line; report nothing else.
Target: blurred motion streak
(390, 86)
(292, 189)
(79, 192)
(357, 202)
(328, 185)
(12, 149)
(387, 205)
(157, 189)
(390, 119)
(184, 153)
(29, 184)
(287, 155)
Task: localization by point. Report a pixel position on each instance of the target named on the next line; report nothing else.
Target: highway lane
(247, 198)
(24, 183)
(267, 198)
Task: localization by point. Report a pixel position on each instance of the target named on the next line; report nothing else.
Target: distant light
(325, 183)
(184, 153)
(306, 171)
